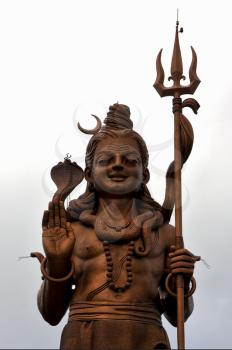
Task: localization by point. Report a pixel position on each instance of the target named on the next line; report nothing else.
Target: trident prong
(177, 89)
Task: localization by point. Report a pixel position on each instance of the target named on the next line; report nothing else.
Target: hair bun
(118, 117)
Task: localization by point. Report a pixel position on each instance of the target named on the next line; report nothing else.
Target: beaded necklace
(111, 278)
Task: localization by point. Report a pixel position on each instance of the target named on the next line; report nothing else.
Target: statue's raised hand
(58, 236)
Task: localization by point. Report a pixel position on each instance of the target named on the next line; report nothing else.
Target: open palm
(58, 236)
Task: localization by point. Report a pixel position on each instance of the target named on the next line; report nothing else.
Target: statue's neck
(117, 209)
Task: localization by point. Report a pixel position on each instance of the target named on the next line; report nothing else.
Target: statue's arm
(54, 297)
(58, 243)
(177, 261)
(170, 307)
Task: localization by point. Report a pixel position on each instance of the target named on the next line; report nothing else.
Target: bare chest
(89, 251)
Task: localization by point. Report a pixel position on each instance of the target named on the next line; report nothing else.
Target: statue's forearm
(171, 309)
(53, 300)
(54, 297)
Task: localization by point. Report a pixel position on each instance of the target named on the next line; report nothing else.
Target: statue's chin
(119, 189)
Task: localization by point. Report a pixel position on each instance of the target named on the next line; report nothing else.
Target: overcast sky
(60, 61)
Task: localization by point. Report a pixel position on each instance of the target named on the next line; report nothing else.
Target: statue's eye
(132, 161)
(103, 161)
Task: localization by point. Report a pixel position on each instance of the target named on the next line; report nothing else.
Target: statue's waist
(95, 310)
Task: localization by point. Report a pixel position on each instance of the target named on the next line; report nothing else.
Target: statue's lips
(117, 177)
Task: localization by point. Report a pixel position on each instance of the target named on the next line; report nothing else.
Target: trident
(180, 122)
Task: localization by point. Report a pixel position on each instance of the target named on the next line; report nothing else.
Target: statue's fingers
(57, 216)
(51, 215)
(182, 251)
(182, 271)
(63, 215)
(62, 222)
(181, 264)
(45, 219)
(182, 258)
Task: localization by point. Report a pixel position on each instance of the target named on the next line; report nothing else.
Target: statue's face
(117, 167)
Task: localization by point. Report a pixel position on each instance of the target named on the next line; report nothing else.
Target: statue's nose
(118, 165)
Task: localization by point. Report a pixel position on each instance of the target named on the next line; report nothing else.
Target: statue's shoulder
(167, 234)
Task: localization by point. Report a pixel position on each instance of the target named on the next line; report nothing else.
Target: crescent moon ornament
(91, 131)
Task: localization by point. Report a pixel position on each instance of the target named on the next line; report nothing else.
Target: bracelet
(187, 294)
(49, 278)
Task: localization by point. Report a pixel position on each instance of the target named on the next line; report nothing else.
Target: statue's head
(116, 156)
(116, 162)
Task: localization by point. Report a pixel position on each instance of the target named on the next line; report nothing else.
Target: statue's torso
(91, 267)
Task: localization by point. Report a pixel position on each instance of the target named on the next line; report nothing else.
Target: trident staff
(182, 130)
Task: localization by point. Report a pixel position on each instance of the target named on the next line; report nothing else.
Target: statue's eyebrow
(104, 153)
(111, 154)
(133, 153)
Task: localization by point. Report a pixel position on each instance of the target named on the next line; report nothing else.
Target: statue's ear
(146, 176)
(88, 175)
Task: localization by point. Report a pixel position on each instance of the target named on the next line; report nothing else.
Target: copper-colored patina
(112, 258)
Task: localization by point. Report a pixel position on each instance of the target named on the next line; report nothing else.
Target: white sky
(60, 61)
